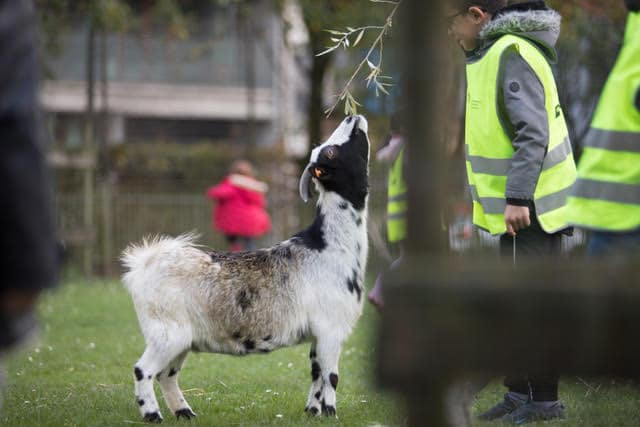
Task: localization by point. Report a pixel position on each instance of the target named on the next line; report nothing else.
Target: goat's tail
(153, 253)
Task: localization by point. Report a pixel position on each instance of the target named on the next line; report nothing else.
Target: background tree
(321, 16)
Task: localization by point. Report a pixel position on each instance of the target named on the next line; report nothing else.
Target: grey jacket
(521, 99)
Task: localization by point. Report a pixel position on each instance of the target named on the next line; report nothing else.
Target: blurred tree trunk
(248, 28)
(320, 16)
(319, 68)
(89, 134)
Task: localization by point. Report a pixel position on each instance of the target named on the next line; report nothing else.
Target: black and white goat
(307, 288)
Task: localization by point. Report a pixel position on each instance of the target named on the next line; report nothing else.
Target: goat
(307, 288)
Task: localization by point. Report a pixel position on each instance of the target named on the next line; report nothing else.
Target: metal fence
(122, 217)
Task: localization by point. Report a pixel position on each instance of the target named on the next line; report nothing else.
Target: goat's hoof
(152, 417)
(329, 411)
(312, 410)
(186, 413)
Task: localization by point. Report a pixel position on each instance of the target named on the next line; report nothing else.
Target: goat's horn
(305, 184)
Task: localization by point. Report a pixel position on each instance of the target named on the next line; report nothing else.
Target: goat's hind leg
(168, 380)
(156, 358)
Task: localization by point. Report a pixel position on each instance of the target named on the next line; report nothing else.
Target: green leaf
(355, 43)
(324, 52)
(381, 87)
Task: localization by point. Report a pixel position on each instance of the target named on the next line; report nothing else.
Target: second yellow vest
(607, 194)
(397, 202)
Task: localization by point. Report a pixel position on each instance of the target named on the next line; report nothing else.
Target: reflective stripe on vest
(607, 194)
(613, 140)
(501, 166)
(608, 191)
(497, 205)
(396, 202)
(489, 150)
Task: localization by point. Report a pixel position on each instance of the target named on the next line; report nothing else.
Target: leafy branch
(375, 76)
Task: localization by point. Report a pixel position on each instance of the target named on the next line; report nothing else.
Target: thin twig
(589, 386)
(385, 27)
(194, 391)
(109, 385)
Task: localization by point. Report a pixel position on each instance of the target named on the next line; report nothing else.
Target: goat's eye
(331, 153)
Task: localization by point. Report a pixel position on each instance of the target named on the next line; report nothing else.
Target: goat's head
(341, 164)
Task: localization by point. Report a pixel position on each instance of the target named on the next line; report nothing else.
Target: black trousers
(530, 242)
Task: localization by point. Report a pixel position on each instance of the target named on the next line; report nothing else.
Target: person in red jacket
(240, 204)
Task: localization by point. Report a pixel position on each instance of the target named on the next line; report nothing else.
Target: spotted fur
(307, 288)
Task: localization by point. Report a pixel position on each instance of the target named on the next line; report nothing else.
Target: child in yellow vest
(393, 153)
(518, 154)
(606, 198)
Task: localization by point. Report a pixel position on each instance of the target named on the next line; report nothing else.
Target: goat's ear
(305, 184)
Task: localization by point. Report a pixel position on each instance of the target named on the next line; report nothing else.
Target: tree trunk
(89, 135)
(315, 111)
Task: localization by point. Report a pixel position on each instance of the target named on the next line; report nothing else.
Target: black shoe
(535, 411)
(505, 407)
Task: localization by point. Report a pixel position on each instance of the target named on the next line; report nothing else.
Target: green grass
(80, 374)
(588, 402)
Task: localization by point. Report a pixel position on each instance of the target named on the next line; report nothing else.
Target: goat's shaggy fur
(307, 288)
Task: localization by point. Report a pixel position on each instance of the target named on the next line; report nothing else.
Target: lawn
(80, 374)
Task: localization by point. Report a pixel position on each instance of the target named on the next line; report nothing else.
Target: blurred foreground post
(444, 319)
(423, 69)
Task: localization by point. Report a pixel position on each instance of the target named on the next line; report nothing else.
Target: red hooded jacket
(240, 208)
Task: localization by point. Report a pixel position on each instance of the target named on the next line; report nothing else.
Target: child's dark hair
(491, 6)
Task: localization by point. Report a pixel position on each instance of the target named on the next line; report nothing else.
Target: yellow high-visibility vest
(607, 194)
(397, 202)
(489, 150)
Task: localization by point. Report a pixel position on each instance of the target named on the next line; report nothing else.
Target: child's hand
(516, 218)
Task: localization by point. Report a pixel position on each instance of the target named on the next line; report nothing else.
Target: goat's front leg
(313, 401)
(326, 368)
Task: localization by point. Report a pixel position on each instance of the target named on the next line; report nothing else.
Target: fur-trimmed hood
(533, 21)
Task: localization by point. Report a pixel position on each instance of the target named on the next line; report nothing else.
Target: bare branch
(350, 103)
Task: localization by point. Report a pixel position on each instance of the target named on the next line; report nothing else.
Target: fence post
(89, 172)
(107, 224)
